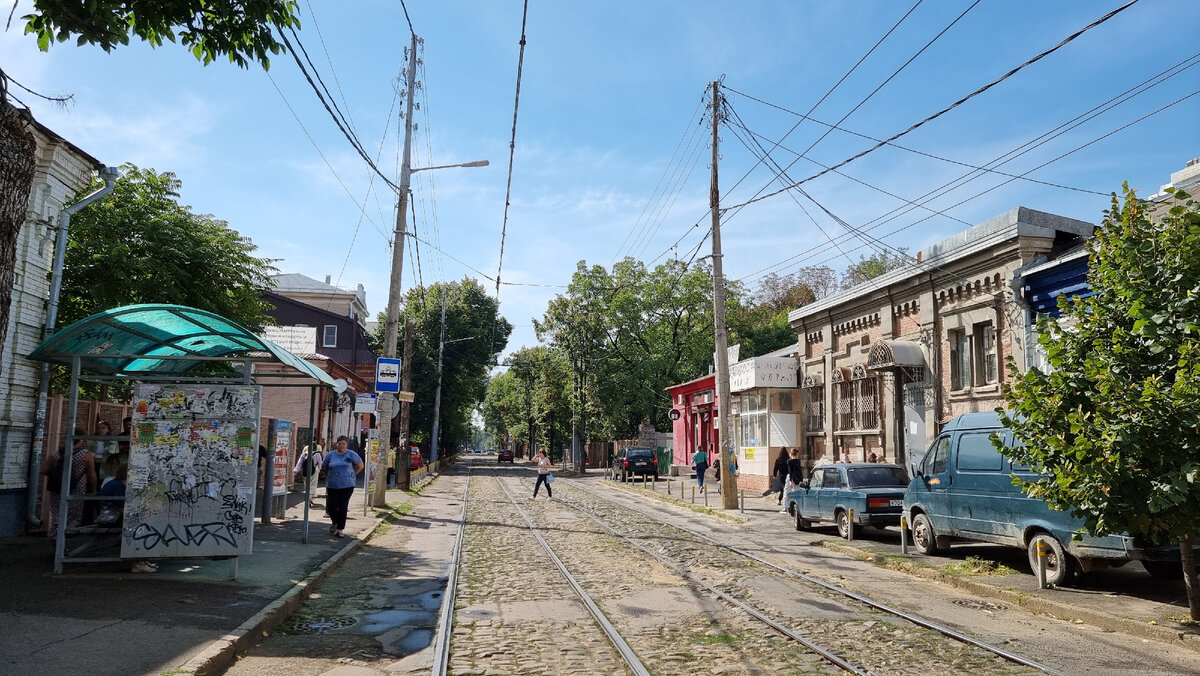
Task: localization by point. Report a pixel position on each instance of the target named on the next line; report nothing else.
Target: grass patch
(973, 565)
(1184, 620)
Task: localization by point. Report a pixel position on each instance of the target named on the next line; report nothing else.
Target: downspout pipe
(110, 176)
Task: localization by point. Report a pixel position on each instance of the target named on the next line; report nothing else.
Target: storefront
(766, 420)
(694, 420)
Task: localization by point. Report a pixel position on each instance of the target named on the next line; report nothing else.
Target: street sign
(364, 403)
(406, 396)
(387, 375)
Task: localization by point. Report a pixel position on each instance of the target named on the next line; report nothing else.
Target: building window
(866, 399)
(844, 414)
(330, 337)
(960, 360)
(752, 427)
(986, 363)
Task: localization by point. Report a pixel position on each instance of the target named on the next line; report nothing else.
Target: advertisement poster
(279, 449)
(190, 490)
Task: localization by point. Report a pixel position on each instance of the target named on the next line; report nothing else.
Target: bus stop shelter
(170, 346)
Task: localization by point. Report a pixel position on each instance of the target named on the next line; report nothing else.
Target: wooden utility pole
(725, 435)
(403, 452)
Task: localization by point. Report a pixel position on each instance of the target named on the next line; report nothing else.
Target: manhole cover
(320, 625)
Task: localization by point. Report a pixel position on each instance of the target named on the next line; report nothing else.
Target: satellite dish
(340, 385)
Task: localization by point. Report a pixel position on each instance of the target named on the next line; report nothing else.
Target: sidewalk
(189, 617)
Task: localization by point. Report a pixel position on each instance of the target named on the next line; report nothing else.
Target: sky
(612, 148)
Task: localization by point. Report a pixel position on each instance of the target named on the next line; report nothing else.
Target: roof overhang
(892, 354)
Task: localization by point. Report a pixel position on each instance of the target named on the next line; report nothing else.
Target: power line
(952, 106)
(512, 147)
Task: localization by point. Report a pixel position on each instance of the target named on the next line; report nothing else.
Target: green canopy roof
(156, 339)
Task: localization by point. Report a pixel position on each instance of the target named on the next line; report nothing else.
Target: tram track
(781, 625)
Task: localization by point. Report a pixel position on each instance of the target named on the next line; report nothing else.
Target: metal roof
(158, 339)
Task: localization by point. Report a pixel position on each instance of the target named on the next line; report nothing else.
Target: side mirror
(804, 485)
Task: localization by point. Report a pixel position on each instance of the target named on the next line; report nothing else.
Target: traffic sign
(387, 374)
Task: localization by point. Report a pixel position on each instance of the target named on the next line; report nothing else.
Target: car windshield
(882, 475)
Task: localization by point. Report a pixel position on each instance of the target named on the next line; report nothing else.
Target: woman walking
(543, 475)
(779, 473)
(795, 474)
(700, 462)
(341, 468)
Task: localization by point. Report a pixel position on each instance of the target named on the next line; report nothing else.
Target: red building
(694, 412)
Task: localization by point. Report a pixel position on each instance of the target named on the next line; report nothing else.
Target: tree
(243, 30)
(1115, 425)
(139, 245)
(788, 292)
(870, 267)
(17, 150)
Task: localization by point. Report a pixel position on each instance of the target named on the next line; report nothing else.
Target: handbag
(776, 485)
(550, 478)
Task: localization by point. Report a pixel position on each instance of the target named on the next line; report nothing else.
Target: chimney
(327, 278)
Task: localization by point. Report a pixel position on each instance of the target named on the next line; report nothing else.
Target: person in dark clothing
(795, 475)
(779, 474)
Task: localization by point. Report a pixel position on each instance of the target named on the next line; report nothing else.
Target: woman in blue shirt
(700, 462)
(341, 468)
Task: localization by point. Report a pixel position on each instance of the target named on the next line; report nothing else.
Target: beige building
(885, 364)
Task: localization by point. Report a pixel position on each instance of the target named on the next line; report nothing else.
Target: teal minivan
(963, 489)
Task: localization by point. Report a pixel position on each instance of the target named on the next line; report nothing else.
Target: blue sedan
(873, 492)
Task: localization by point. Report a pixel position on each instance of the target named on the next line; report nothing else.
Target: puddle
(377, 623)
(416, 640)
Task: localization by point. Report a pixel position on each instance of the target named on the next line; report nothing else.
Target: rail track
(581, 524)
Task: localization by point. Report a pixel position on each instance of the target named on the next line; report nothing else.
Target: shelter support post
(312, 445)
(68, 446)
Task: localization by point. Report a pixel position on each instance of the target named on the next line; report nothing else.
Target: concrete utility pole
(384, 402)
(403, 452)
(728, 488)
(437, 393)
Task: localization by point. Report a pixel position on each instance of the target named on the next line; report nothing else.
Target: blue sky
(611, 146)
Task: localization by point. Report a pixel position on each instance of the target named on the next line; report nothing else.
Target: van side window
(936, 463)
(976, 453)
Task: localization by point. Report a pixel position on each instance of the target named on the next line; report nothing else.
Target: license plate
(895, 503)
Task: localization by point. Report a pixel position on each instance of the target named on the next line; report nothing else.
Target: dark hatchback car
(505, 455)
(874, 492)
(635, 460)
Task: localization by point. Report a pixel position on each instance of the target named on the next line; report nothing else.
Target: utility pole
(403, 452)
(384, 402)
(725, 435)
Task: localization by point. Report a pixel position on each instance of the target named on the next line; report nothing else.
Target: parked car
(874, 492)
(505, 455)
(636, 460)
(963, 489)
(414, 458)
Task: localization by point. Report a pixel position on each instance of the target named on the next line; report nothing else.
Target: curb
(219, 654)
(1036, 604)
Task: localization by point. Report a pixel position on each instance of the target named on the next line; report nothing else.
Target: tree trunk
(17, 154)
(1188, 558)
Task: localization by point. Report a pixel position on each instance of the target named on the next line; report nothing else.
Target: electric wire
(675, 193)
(952, 106)
(512, 148)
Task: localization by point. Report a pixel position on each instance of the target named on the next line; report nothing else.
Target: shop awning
(888, 354)
(157, 339)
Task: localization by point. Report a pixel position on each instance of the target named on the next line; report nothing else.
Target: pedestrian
(779, 474)
(544, 475)
(844, 457)
(83, 480)
(873, 458)
(341, 466)
(100, 449)
(391, 467)
(795, 474)
(700, 463)
(307, 466)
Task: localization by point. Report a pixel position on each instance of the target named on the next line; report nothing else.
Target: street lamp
(391, 330)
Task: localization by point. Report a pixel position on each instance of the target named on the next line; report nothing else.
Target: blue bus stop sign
(387, 375)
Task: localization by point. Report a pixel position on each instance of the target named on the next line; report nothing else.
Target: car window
(977, 454)
(833, 478)
(815, 479)
(935, 461)
(883, 475)
(640, 453)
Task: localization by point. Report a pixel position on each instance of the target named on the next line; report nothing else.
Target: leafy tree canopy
(242, 30)
(870, 267)
(784, 293)
(138, 244)
(1115, 424)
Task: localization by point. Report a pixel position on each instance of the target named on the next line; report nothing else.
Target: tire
(1060, 569)
(1164, 570)
(801, 522)
(923, 535)
(843, 523)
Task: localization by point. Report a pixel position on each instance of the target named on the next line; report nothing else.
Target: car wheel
(924, 537)
(1164, 570)
(1059, 567)
(801, 522)
(843, 523)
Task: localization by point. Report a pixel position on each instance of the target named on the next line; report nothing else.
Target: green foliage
(757, 331)
(870, 267)
(788, 292)
(534, 394)
(1115, 425)
(138, 244)
(475, 335)
(242, 30)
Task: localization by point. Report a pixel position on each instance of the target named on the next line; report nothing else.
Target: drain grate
(320, 625)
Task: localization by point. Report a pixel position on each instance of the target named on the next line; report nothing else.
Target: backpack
(54, 475)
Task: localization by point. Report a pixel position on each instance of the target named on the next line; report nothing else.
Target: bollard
(654, 482)
(705, 497)
(903, 535)
(850, 525)
(742, 501)
(1041, 564)
(681, 491)
(693, 493)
